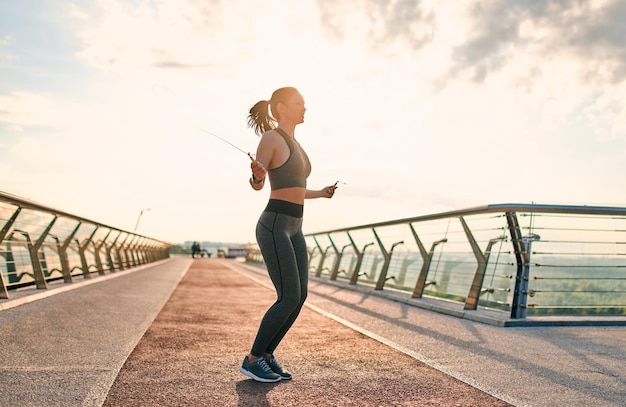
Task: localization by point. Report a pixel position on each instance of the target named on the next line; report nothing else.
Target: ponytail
(259, 118)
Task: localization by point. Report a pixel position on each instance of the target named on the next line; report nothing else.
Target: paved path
(126, 342)
(191, 354)
(67, 349)
(526, 366)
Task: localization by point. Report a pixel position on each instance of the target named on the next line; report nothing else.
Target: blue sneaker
(278, 369)
(259, 370)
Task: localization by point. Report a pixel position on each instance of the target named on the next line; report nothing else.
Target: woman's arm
(326, 192)
(264, 154)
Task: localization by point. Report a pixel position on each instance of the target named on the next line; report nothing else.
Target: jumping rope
(164, 93)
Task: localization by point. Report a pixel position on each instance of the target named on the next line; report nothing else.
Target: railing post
(65, 267)
(154, 253)
(62, 250)
(137, 251)
(4, 294)
(147, 251)
(119, 250)
(382, 278)
(109, 248)
(334, 247)
(133, 251)
(83, 259)
(528, 242)
(140, 258)
(521, 246)
(335, 271)
(318, 272)
(125, 249)
(97, 246)
(256, 253)
(427, 258)
(96, 256)
(312, 252)
(319, 247)
(359, 260)
(258, 257)
(129, 252)
(471, 302)
(33, 250)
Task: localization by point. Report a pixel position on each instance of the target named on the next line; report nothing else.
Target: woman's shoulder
(271, 133)
(273, 139)
(271, 136)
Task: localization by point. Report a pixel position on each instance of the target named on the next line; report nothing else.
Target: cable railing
(39, 244)
(520, 259)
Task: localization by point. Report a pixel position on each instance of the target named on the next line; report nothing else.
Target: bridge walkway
(174, 334)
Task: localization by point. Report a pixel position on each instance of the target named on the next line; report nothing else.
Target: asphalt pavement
(174, 333)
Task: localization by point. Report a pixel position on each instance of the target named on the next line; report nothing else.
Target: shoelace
(276, 366)
(265, 366)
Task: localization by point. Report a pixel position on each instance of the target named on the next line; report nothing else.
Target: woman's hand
(330, 191)
(258, 170)
(257, 180)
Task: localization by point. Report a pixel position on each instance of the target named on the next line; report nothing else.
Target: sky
(108, 107)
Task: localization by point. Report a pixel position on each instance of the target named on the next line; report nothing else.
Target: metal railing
(39, 244)
(521, 259)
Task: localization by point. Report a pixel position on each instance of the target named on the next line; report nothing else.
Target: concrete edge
(11, 303)
(485, 316)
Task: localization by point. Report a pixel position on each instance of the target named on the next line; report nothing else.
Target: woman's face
(293, 109)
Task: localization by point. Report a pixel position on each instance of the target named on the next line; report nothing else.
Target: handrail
(510, 207)
(515, 258)
(40, 244)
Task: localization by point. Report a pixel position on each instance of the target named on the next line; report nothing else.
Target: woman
(279, 229)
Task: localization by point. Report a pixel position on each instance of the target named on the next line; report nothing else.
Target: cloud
(384, 23)
(588, 35)
(597, 36)
(20, 109)
(121, 37)
(6, 39)
(489, 36)
(179, 65)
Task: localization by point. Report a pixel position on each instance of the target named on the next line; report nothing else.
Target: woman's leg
(302, 262)
(274, 236)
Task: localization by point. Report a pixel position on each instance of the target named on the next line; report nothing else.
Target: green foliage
(179, 249)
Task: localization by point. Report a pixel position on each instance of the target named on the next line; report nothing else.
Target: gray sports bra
(294, 172)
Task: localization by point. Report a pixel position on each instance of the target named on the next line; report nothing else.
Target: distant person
(279, 228)
(195, 249)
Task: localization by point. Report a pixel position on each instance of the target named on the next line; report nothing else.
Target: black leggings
(280, 238)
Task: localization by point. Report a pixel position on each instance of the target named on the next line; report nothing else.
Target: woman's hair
(263, 113)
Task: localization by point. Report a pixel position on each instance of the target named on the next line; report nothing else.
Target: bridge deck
(175, 334)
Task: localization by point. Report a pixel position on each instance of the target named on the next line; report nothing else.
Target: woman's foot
(277, 368)
(259, 370)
